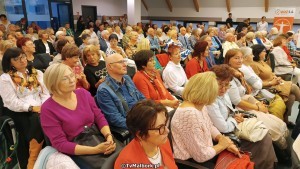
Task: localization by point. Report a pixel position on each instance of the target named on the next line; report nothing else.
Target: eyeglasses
(224, 85)
(22, 56)
(162, 128)
(121, 61)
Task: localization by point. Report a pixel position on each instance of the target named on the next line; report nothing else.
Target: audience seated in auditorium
(117, 94)
(114, 48)
(198, 63)
(148, 80)
(239, 95)
(184, 40)
(59, 46)
(95, 69)
(42, 45)
(23, 92)
(148, 122)
(214, 54)
(192, 130)
(221, 113)
(229, 43)
(154, 41)
(264, 71)
(38, 61)
(174, 75)
(70, 55)
(79, 106)
(104, 42)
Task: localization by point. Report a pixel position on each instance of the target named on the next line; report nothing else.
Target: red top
(148, 89)
(288, 53)
(193, 67)
(134, 154)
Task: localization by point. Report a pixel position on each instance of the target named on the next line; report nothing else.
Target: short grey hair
(246, 51)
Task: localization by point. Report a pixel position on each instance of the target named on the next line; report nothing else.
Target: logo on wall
(284, 19)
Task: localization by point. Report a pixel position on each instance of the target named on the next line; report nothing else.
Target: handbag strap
(124, 104)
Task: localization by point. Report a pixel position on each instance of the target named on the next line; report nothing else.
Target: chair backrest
(163, 59)
(271, 61)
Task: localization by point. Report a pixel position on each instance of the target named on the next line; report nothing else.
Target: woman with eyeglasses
(148, 80)
(221, 113)
(23, 92)
(192, 130)
(66, 113)
(239, 94)
(198, 63)
(269, 79)
(95, 69)
(148, 122)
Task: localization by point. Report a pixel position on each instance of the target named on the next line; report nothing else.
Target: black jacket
(41, 48)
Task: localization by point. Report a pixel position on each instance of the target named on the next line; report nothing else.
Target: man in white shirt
(229, 43)
(262, 25)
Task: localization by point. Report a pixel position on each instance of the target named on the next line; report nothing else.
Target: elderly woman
(148, 81)
(273, 34)
(249, 39)
(241, 39)
(60, 44)
(269, 79)
(239, 95)
(198, 63)
(23, 92)
(70, 56)
(185, 53)
(250, 76)
(4, 45)
(95, 69)
(67, 103)
(43, 45)
(37, 61)
(283, 61)
(114, 48)
(194, 38)
(173, 74)
(144, 44)
(148, 122)
(220, 113)
(192, 130)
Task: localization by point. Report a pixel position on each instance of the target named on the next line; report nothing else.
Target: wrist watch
(30, 108)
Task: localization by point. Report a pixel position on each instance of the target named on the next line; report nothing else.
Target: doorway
(61, 15)
(89, 13)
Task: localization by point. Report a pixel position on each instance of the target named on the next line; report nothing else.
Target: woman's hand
(239, 118)
(225, 142)
(102, 147)
(232, 148)
(36, 109)
(111, 148)
(174, 103)
(262, 107)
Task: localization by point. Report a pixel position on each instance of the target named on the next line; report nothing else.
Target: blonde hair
(92, 49)
(86, 31)
(250, 36)
(41, 32)
(196, 89)
(144, 44)
(6, 44)
(53, 75)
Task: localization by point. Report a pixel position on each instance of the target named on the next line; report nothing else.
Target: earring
(13, 68)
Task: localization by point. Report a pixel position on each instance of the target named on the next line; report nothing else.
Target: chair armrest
(187, 164)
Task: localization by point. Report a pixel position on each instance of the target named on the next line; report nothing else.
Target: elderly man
(104, 43)
(229, 43)
(154, 42)
(184, 40)
(117, 94)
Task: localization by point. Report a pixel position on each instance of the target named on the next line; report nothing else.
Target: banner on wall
(284, 19)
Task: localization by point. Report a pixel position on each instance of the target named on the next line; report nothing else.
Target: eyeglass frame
(19, 58)
(161, 128)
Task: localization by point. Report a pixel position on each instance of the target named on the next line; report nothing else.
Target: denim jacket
(111, 105)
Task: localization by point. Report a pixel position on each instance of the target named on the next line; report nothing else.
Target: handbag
(282, 89)
(277, 107)
(91, 136)
(227, 160)
(251, 129)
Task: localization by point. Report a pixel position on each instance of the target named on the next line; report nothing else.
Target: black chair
(120, 134)
(182, 164)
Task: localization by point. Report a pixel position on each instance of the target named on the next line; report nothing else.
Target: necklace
(156, 155)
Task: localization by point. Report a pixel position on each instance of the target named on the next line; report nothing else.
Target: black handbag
(91, 136)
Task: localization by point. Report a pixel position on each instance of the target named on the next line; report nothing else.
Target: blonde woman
(195, 138)
(4, 45)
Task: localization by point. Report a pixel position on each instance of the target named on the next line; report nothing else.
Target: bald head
(150, 31)
(116, 66)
